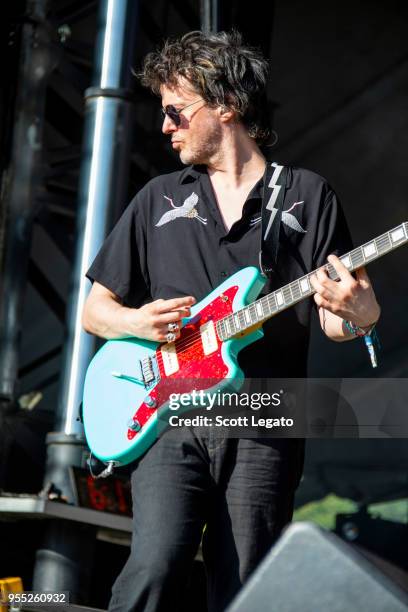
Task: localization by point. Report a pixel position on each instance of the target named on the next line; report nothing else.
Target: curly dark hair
(221, 69)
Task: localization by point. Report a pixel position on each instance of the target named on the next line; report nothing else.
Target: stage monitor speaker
(312, 570)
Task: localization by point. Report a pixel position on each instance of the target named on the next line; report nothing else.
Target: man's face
(198, 136)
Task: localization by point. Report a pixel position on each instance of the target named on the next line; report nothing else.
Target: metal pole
(210, 16)
(64, 560)
(103, 185)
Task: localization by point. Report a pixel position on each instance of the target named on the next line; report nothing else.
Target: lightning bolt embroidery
(275, 191)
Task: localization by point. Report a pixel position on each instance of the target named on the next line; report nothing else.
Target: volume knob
(150, 401)
(134, 425)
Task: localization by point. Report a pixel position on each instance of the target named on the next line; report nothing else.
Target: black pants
(241, 489)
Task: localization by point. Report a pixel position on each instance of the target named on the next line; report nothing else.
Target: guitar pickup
(209, 338)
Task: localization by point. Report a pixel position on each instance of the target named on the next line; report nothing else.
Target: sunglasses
(174, 114)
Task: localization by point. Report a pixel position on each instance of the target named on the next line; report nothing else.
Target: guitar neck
(266, 307)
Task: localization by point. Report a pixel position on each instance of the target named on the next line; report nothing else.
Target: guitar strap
(275, 180)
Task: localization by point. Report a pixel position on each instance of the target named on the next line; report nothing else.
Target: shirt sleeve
(332, 233)
(120, 264)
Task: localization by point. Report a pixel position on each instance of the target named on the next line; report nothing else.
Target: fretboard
(266, 307)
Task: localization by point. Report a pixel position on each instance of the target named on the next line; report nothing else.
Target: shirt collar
(193, 173)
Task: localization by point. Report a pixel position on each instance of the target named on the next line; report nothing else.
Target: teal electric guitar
(129, 380)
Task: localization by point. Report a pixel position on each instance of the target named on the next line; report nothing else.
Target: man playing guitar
(181, 236)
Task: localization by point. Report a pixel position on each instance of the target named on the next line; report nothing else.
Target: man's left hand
(351, 298)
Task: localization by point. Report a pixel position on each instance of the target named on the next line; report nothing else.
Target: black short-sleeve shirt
(171, 241)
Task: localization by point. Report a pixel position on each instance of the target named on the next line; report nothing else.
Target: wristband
(358, 331)
(370, 338)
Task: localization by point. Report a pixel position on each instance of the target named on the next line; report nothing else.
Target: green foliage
(323, 512)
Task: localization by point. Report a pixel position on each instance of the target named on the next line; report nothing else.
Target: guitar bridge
(149, 371)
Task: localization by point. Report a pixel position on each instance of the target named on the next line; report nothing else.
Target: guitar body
(120, 412)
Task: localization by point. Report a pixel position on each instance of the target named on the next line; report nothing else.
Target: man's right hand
(151, 321)
(105, 316)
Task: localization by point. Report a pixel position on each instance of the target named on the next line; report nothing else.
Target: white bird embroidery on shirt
(287, 218)
(291, 220)
(187, 210)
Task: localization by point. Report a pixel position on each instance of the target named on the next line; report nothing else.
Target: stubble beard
(203, 149)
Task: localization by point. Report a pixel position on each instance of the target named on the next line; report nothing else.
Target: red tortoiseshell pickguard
(196, 370)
